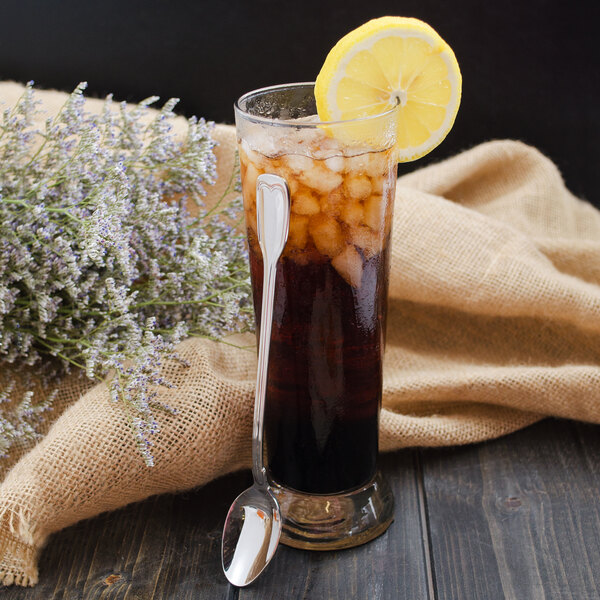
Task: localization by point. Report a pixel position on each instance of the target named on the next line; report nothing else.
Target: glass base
(332, 522)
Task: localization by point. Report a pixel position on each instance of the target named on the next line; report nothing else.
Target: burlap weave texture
(494, 322)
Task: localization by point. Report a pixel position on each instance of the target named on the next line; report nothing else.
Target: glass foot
(332, 522)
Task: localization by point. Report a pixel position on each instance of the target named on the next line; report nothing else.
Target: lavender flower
(97, 271)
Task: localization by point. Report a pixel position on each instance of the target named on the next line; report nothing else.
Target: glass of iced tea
(325, 368)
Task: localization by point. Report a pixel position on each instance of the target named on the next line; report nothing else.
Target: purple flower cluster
(97, 270)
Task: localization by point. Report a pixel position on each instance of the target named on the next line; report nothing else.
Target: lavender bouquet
(97, 271)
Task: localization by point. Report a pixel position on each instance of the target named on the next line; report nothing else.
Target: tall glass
(325, 369)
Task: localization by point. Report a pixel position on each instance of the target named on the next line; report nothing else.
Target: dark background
(530, 68)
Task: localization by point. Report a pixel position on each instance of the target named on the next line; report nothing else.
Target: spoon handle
(273, 219)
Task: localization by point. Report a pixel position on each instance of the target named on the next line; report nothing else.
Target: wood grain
(169, 547)
(166, 547)
(519, 517)
(515, 518)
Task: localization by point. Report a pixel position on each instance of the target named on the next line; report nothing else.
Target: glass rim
(294, 123)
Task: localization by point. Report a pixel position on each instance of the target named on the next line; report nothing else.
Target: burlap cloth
(494, 323)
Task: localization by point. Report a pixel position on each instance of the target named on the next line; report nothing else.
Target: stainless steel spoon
(253, 524)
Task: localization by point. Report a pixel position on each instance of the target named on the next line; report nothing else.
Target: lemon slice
(390, 61)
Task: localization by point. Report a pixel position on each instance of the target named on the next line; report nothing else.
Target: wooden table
(516, 518)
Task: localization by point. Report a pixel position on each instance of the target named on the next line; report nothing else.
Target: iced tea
(325, 368)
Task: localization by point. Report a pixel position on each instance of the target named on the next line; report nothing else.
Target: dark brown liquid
(325, 373)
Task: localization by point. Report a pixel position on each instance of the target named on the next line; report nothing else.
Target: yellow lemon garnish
(387, 62)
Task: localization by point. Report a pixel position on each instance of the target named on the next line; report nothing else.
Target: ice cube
(368, 241)
(320, 179)
(262, 141)
(250, 155)
(304, 203)
(297, 163)
(358, 164)
(377, 185)
(298, 233)
(374, 213)
(323, 146)
(352, 213)
(335, 163)
(333, 203)
(377, 164)
(327, 235)
(357, 187)
(349, 265)
(291, 180)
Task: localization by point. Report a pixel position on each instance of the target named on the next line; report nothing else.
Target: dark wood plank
(518, 517)
(166, 547)
(388, 568)
(169, 547)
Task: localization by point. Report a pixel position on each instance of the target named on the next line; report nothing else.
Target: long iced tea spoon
(253, 524)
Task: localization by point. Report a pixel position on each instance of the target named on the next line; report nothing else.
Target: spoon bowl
(254, 524)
